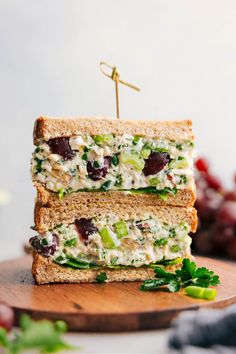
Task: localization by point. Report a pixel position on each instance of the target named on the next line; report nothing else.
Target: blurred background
(182, 54)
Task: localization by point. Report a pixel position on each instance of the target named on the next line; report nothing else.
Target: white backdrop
(181, 53)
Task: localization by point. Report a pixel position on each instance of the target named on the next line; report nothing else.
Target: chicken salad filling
(112, 242)
(103, 162)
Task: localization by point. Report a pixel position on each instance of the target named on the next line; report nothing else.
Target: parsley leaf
(105, 186)
(115, 160)
(70, 243)
(161, 242)
(188, 275)
(101, 277)
(44, 335)
(38, 166)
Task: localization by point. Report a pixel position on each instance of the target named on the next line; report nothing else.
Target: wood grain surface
(105, 307)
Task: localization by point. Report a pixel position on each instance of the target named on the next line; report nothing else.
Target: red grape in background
(216, 234)
(6, 316)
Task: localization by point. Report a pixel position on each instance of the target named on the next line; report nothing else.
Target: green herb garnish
(136, 139)
(86, 149)
(163, 193)
(179, 147)
(44, 336)
(96, 164)
(188, 275)
(44, 242)
(184, 179)
(118, 182)
(37, 150)
(101, 277)
(70, 243)
(105, 186)
(172, 233)
(161, 242)
(38, 166)
(115, 160)
(84, 157)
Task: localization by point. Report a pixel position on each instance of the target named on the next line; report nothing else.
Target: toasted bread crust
(46, 128)
(184, 198)
(45, 271)
(46, 218)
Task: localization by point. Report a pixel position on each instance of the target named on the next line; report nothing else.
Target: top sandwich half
(151, 158)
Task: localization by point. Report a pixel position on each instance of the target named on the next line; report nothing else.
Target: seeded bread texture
(45, 271)
(47, 128)
(185, 197)
(46, 218)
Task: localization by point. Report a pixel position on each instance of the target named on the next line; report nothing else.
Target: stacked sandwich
(114, 198)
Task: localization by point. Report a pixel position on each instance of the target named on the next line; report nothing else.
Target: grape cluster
(216, 234)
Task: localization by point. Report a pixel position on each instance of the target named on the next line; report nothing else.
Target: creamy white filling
(71, 175)
(153, 242)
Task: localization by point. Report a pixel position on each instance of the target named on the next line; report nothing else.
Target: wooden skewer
(115, 76)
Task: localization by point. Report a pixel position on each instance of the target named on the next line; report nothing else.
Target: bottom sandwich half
(92, 243)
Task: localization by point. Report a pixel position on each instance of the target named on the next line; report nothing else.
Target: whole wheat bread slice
(185, 197)
(48, 128)
(45, 271)
(46, 218)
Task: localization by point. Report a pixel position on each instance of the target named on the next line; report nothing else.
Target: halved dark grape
(85, 227)
(155, 162)
(96, 173)
(6, 316)
(143, 226)
(61, 146)
(46, 249)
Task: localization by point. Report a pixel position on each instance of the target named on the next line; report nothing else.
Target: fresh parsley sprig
(44, 336)
(101, 277)
(189, 274)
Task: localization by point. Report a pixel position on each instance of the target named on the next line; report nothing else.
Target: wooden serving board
(105, 307)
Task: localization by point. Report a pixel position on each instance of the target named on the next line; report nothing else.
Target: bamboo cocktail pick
(115, 76)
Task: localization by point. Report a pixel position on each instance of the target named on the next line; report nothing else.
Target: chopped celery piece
(121, 229)
(61, 193)
(154, 181)
(109, 238)
(103, 139)
(133, 159)
(179, 163)
(145, 152)
(201, 293)
(136, 139)
(175, 248)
